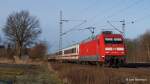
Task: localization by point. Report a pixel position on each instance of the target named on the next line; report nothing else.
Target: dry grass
(28, 74)
(6, 60)
(85, 74)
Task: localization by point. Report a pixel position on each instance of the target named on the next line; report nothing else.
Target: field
(27, 74)
(92, 74)
(68, 73)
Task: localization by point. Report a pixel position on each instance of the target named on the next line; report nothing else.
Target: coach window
(60, 52)
(66, 51)
(73, 50)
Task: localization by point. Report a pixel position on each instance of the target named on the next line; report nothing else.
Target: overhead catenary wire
(73, 28)
(119, 11)
(61, 33)
(142, 18)
(89, 6)
(105, 11)
(114, 27)
(125, 8)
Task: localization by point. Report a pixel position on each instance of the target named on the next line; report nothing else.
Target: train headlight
(108, 48)
(103, 56)
(120, 49)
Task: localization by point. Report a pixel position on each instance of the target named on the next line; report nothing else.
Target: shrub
(39, 51)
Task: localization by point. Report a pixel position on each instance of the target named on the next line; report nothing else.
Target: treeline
(138, 50)
(38, 51)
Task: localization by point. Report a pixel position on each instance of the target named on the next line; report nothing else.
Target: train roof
(71, 46)
(105, 33)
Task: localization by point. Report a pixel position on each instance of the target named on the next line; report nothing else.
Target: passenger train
(105, 48)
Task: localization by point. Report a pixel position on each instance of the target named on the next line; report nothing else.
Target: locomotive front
(114, 49)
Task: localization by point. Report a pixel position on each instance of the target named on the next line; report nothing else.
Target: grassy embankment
(86, 74)
(28, 74)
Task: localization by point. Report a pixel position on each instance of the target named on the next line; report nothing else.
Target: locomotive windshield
(113, 40)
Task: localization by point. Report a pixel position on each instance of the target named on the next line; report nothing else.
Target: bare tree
(22, 30)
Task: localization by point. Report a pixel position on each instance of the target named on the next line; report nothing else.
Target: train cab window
(108, 40)
(118, 40)
(113, 40)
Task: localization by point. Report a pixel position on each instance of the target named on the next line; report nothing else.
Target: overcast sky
(96, 12)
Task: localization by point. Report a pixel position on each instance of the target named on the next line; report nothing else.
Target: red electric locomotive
(105, 48)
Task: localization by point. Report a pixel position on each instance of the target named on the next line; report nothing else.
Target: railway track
(127, 65)
(136, 65)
